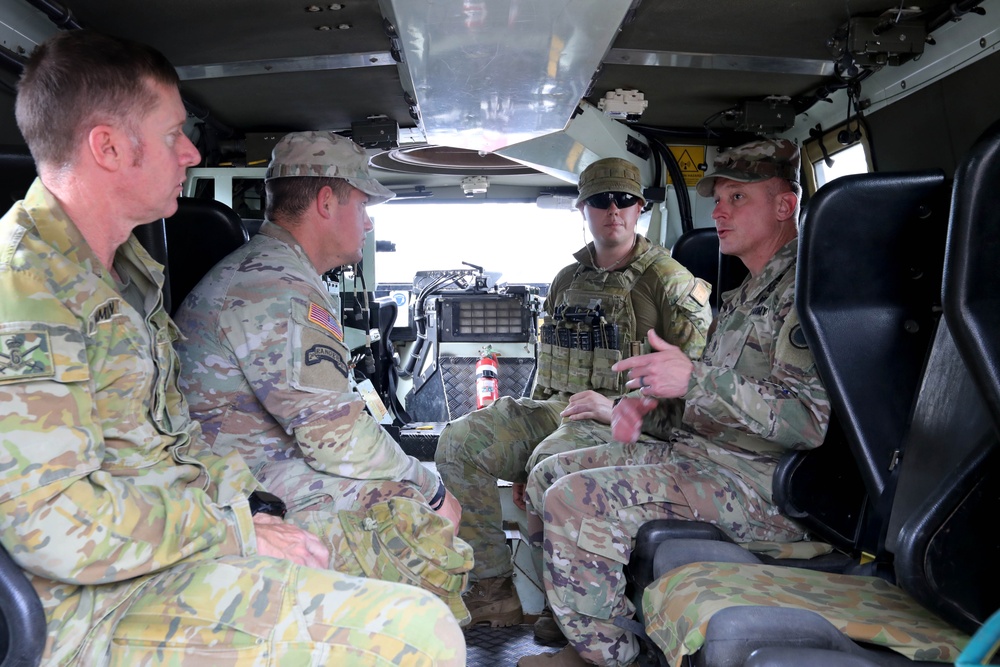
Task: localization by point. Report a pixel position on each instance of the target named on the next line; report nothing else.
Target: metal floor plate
(501, 647)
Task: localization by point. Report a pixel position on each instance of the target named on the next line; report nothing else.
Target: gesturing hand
(661, 374)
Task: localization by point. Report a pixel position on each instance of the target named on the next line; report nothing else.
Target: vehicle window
(524, 243)
(851, 160)
(839, 152)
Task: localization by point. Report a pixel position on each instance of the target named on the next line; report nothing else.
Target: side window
(841, 151)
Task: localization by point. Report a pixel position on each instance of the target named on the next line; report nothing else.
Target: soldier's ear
(104, 145)
(786, 203)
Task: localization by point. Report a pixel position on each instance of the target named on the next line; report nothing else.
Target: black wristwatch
(262, 502)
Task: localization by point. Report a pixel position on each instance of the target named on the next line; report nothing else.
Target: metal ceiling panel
(490, 73)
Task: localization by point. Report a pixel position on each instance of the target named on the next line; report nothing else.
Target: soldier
(263, 360)
(754, 394)
(142, 544)
(598, 307)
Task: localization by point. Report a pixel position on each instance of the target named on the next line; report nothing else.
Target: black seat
(889, 229)
(22, 619)
(200, 234)
(698, 251)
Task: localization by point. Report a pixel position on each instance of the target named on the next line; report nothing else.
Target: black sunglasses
(603, 200)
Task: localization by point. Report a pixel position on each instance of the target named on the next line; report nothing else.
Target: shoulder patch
(702, 292)
(319, 353)
(326, 320)
(797, 338)
(25, 355)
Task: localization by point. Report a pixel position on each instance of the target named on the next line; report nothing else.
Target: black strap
(637, 629)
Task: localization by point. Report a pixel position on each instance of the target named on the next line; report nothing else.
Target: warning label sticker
(689, 157)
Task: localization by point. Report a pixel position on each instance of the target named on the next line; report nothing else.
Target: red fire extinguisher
(487, 378)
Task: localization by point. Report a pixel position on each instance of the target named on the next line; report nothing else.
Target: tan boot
(568, 657)
(494, 601)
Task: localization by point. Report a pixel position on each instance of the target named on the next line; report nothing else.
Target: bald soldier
(144, 546)
(754, 394)
(619, 287)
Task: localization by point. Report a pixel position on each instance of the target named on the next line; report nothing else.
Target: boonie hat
(325, 154)
(611, 174)
(753, 162)
(403, 540)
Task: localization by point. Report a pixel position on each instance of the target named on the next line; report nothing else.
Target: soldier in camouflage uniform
(263, 360)
(143, 546)
(754, 394)
(624, 285)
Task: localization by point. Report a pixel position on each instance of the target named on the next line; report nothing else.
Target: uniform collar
(775, 267)
(57, 229)
(584, 254)
(279, 233)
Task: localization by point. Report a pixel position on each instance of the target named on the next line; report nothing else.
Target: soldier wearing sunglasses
(597, 312)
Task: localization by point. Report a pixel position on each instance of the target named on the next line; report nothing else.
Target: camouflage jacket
(265, 369)
(104, 477)
(756, 391)
(664, 297)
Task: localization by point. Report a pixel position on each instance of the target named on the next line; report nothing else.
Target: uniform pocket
(560, 368)
(602, 377)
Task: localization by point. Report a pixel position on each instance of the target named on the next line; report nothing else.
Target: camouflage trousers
(500, 442)
(264, 611)
(596, 499)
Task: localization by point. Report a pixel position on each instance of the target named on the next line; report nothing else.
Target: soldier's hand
(518, 495)
(588, 405)
(626, 417)
(281, 540)
(451, 509)
(661, 374)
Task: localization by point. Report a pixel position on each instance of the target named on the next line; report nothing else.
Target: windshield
(525, 243)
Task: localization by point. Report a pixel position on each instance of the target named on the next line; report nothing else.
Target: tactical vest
(590, 329)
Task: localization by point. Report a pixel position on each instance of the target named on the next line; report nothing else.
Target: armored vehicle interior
(481, 114)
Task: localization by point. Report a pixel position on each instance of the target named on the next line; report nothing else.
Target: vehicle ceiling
(761, 48)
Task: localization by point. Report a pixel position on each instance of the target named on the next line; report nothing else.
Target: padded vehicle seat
(199, 235)
(880, 314)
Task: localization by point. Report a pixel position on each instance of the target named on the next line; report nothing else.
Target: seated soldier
(143, 545)
(266, 371)
(619, 287)
(754, 394)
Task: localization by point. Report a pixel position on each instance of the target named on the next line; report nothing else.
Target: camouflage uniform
(503, 441)
(754, 394)
(137, 538)
(265, 369)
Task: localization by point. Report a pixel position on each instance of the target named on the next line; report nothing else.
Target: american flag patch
(324, 318)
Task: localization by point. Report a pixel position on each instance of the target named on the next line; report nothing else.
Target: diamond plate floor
(501, 647)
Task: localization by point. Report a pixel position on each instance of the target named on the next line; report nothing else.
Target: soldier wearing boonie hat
(753, 162)
(755, 390)
(602, 305)
(612, 174)
(263, 332)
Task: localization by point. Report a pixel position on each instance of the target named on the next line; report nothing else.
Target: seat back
(200, 234)
(698, 251)
(947, 545)
(868, 285)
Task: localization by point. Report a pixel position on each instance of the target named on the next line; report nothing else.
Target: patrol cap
(611, 174)
(403, 540)
(325, 154)
(753, 162)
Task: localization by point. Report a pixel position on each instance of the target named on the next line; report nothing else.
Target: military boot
(494, 601)
(547, 631)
